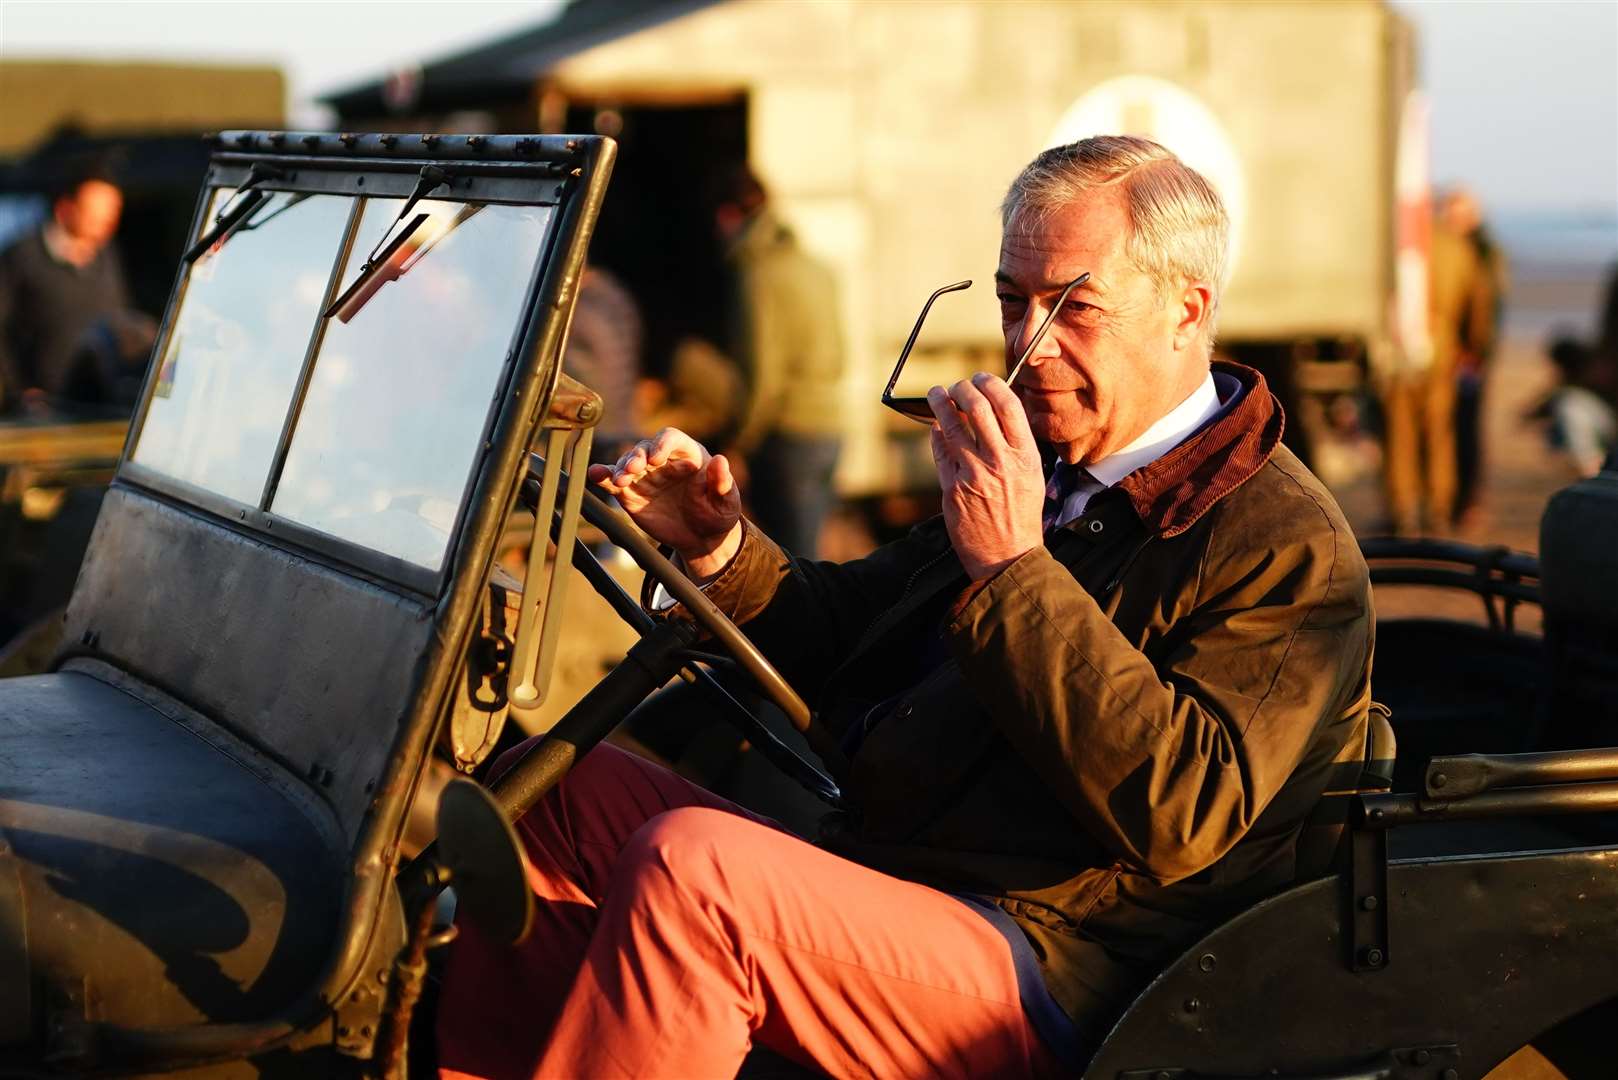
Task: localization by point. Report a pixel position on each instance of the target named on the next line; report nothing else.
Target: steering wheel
(743, 654)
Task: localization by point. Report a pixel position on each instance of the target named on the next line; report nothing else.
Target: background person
(1419, 409)
(65, 311)
(786, 336)
(1478, 331)
(604, 346)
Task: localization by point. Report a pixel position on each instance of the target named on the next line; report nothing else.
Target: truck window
(401, 392)
(232, 360)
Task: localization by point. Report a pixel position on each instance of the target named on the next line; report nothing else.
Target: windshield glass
(406, 376)
(232, 360)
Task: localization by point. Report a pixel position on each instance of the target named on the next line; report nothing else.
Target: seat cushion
(154, 871)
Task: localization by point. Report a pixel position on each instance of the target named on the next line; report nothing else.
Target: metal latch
(574, 411)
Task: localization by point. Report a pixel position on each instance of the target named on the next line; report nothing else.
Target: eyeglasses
(916, 407)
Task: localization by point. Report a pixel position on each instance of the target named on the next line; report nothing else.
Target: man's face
(1120, 356)
(91, 213)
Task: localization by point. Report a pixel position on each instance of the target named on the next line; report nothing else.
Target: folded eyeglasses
(916, 407)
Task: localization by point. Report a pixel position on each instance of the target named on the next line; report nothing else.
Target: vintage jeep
(289, 607)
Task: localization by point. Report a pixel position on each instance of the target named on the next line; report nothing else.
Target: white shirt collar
(1169, 431)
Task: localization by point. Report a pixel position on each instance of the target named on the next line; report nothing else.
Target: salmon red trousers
(675, 930)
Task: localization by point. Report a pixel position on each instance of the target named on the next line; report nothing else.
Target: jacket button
(903, 711)
(1096, 526)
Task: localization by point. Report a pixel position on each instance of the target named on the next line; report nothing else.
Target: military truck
(888, 132)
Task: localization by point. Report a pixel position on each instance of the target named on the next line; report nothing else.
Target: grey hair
(1179, 230)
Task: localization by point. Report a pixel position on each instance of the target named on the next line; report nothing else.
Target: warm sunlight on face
(1120, 357)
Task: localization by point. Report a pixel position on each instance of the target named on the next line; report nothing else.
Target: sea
(1559, 266)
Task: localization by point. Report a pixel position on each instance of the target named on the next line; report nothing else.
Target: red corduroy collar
(1171, 493)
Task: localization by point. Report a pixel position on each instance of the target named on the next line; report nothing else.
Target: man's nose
(1048, 348)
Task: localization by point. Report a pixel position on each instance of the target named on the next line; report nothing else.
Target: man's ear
(1195, 312)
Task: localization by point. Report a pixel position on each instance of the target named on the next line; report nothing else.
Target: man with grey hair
(1085, 711)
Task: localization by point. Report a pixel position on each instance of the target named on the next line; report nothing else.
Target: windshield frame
(486, 178)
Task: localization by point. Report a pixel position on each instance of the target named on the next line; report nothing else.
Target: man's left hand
(989, 470)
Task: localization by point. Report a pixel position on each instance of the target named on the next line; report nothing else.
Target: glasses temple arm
(915, 332)
(1039, 335)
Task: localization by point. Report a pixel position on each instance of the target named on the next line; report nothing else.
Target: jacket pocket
(919, 754)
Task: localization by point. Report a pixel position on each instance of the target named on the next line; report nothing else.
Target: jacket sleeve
(807, 616)
(1168, 760)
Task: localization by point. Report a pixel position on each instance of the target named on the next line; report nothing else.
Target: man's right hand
(681, 495)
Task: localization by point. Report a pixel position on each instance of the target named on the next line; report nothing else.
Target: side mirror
(485, 863)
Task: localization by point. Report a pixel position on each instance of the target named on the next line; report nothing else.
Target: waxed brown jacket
(1119, 736)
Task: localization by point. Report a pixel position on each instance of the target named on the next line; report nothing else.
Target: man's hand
(681, 495)
(989, 470)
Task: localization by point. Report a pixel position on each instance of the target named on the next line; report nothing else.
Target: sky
(1524, 99)
(1524, 92)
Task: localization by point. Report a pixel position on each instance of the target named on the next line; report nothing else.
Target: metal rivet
(1207, 962)
(1368, 903)
(1096, 526)
(348, 139)
(1439, 779)
(1192, 1005)
(1452, 1074)
(277, 138)
(311, 140)
(1377, 815)
(1373, 957)
(389, 141)
(1163, 1074)
(1421, 1057)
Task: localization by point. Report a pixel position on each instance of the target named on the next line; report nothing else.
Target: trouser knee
(693, 848)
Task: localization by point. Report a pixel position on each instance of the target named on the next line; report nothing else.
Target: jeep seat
(111, 793)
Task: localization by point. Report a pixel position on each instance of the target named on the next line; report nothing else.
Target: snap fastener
(1096, 526)
(904, 710)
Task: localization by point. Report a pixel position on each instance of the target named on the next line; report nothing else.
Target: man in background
(604, 353)
(1477, 331)
(786, 335)
(66, 323)
(1420, 405)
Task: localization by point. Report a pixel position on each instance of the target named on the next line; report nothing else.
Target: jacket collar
(1173, 492)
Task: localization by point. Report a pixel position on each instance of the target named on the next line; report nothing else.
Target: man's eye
(1080, 308)
(1010, 300)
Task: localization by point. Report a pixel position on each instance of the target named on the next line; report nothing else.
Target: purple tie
(1065, 482)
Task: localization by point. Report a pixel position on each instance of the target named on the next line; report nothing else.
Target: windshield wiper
(230, 219)
(225, 224)
(381, 266)
(258, 223)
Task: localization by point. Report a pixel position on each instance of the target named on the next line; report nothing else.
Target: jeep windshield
(363, 427)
